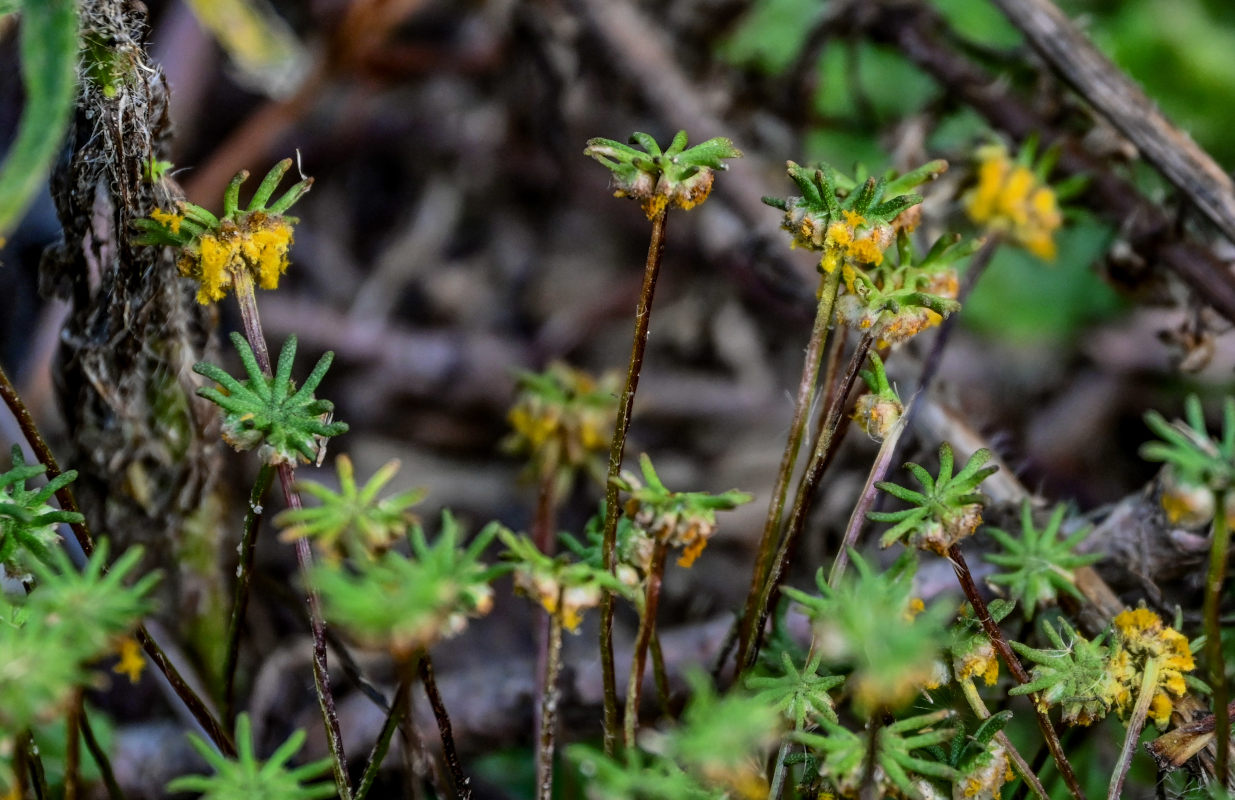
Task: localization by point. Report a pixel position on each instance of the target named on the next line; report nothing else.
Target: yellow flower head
(1010, 198)
(241, 247)
(1140, 636)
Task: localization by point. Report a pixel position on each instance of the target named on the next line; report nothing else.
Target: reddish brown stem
(617, 446)
(463, 790)
(793, 444)
(965, 577)
(819, 461)
(647, 625)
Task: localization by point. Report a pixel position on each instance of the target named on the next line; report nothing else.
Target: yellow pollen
(131, 661)
(168, 219)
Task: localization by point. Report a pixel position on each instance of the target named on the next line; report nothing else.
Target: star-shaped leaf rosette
(678, 176)
(246, 776)
(288, 424)
(898, 770)
(251, 245)
(27, 523)
(406, 604)
(948, 509)
(851, 222)
(895, 302)
(1199, 467)
(676, 519)
(563, 587)
(352, 522)
(871, 624)
(1038, 565)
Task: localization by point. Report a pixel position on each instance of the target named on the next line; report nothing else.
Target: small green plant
(678, 176)
(844, 754)
(879, 408)
(246, 777)
(948, 509)
(800, 695)
(1039, 563)
(404, 604)
(870, 624)
(27, 523)
(352, 522)
(289, 424)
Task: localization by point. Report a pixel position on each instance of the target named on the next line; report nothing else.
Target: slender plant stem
(780, 770)
(546, 737)
(867, 792)
(1018, 761)
(242, 283)
(647, 624)
(381, 746)
(72, 748)
(428, 679)
(194, 703)
(879, 471)
(34, 763)
(815, 468)
(1136, 723)
(240, 604)
(542, 536)
(1214, 580)
(617, 446)
(793, 444)
(963, 575)
(659, 674)
(100, 759)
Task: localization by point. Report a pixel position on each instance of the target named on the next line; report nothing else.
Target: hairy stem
(240, 604)
(801, 413)
(1136, 723)
(1018, 761)
(428, 679)
(965, 577)
(381, 746)
(617, 446)
(815, 468)
(196, 706)
(647, 624)
(247, 300)
(1214, 580)
(546, 737)
(781, 770)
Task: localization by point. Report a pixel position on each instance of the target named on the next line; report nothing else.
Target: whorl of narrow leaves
(289, 424)
(27, 523)
(676, 176)
(948, 508)
(1038, 565)
(406, 604)
(1188, 449)
(843, 754)
(246, 777)
(353, 521)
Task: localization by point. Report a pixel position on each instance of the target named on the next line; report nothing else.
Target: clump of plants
(881, 694)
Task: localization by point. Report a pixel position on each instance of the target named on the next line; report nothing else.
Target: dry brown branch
(1104, 86)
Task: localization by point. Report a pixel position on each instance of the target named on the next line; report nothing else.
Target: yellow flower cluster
(567, 426)
(558, 596)
(1009, 198)
(682, 529)
(848, 241)
(257, 244)
(1141, 636)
